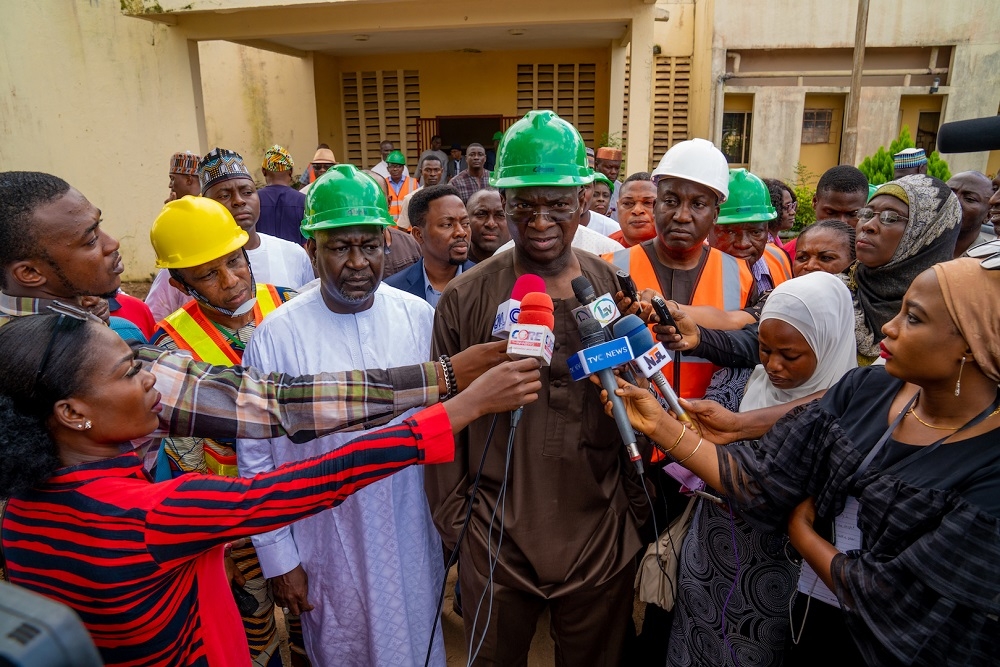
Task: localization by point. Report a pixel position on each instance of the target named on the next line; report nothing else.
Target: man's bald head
(973, 190)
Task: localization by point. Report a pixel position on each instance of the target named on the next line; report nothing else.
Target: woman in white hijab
(738, 605)
(806, 341)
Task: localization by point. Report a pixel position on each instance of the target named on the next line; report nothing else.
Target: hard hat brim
(235, 243)
(722, 195)
(537, 179)
(346, 217)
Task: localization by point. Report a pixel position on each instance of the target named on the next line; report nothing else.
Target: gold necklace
(939, 428)
(943, 428)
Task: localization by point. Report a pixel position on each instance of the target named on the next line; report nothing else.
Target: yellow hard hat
(193, 230)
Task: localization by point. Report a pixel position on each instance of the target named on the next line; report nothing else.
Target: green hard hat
(541, 149)
(598, 176)
(344, 197)
(749, 200)
(395, 157)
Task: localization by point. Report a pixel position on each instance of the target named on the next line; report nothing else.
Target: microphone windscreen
(970, 136)
(638, 334)
(529, 282)
(591, 332)
(583, 290)
(536, 308)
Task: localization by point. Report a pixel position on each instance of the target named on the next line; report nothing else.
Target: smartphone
(662, 312)
(627, 286)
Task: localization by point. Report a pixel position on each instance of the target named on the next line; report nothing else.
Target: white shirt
(584, 239)
(374, 562)
(382, 169)
(275, 262)
(403, 222)
(603, 224)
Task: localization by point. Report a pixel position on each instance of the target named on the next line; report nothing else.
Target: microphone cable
(493, 560)
(453, 557)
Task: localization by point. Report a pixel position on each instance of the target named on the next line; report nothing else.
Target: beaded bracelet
(450, 383)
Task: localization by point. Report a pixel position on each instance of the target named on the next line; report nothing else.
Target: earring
(958, 385)
(86, 426)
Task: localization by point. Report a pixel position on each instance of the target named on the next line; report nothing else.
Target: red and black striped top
(141, 563)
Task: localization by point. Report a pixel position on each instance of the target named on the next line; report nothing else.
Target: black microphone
(592, 333)
(970, 136)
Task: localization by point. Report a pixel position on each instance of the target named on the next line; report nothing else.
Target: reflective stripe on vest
(777, 264)
(219, 463)
(725, 283)
(396, 201)
(192, 331)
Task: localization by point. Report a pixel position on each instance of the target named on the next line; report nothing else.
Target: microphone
(532, 335)
(601, 308)
(970, 136)
(592, 334)
(651, 361)
(508, 311)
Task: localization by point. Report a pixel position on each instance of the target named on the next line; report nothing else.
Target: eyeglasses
(67, 315)
(522, 213)
(629, 204)
(887, 218)
(989, 251)
(790, 208)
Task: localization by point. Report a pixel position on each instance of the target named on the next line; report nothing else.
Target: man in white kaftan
(374, 563)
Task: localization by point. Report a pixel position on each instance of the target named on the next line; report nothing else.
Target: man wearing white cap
(692, 181)
(909, 161)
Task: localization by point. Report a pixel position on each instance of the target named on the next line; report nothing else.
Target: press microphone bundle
(651, 361)
(605, 356)
(601, 308)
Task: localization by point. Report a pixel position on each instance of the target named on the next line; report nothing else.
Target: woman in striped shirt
(142, 563)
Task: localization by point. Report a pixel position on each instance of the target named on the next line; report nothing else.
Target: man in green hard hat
(400, 185)
(574, 502)
(334, 565)
(741, 231)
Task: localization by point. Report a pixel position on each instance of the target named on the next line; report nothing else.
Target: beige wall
(817, 158)
(100, 100)
(452, 84)
(255, 98)
(775, 143)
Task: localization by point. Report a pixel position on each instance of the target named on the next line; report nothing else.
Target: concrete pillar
(777, 131)
(194, 58)
(640, 106)
(616, 106)
(974, 79)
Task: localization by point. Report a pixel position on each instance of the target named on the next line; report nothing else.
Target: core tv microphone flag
(532, 335)
(508, 311)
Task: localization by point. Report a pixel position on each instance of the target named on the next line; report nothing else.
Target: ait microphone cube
(531, 340)
(506, 318)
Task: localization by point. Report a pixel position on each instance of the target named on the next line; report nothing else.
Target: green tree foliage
(878, 167)
(805, 214)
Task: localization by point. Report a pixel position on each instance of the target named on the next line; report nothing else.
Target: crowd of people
(176, 470)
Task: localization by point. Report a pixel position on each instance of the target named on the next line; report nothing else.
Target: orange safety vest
(192, 331)
(725, 283)
(396, 200)
(777, 263)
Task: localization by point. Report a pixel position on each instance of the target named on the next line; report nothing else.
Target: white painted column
(640, 107)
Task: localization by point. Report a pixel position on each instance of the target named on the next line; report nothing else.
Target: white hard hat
(699, 161)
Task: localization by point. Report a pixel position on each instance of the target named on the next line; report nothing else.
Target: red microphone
(532, 335)
(508, 311)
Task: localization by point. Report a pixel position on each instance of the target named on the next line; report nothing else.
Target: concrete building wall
(776, 142)
(101, 100)
(452, 84)
(256, 98)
